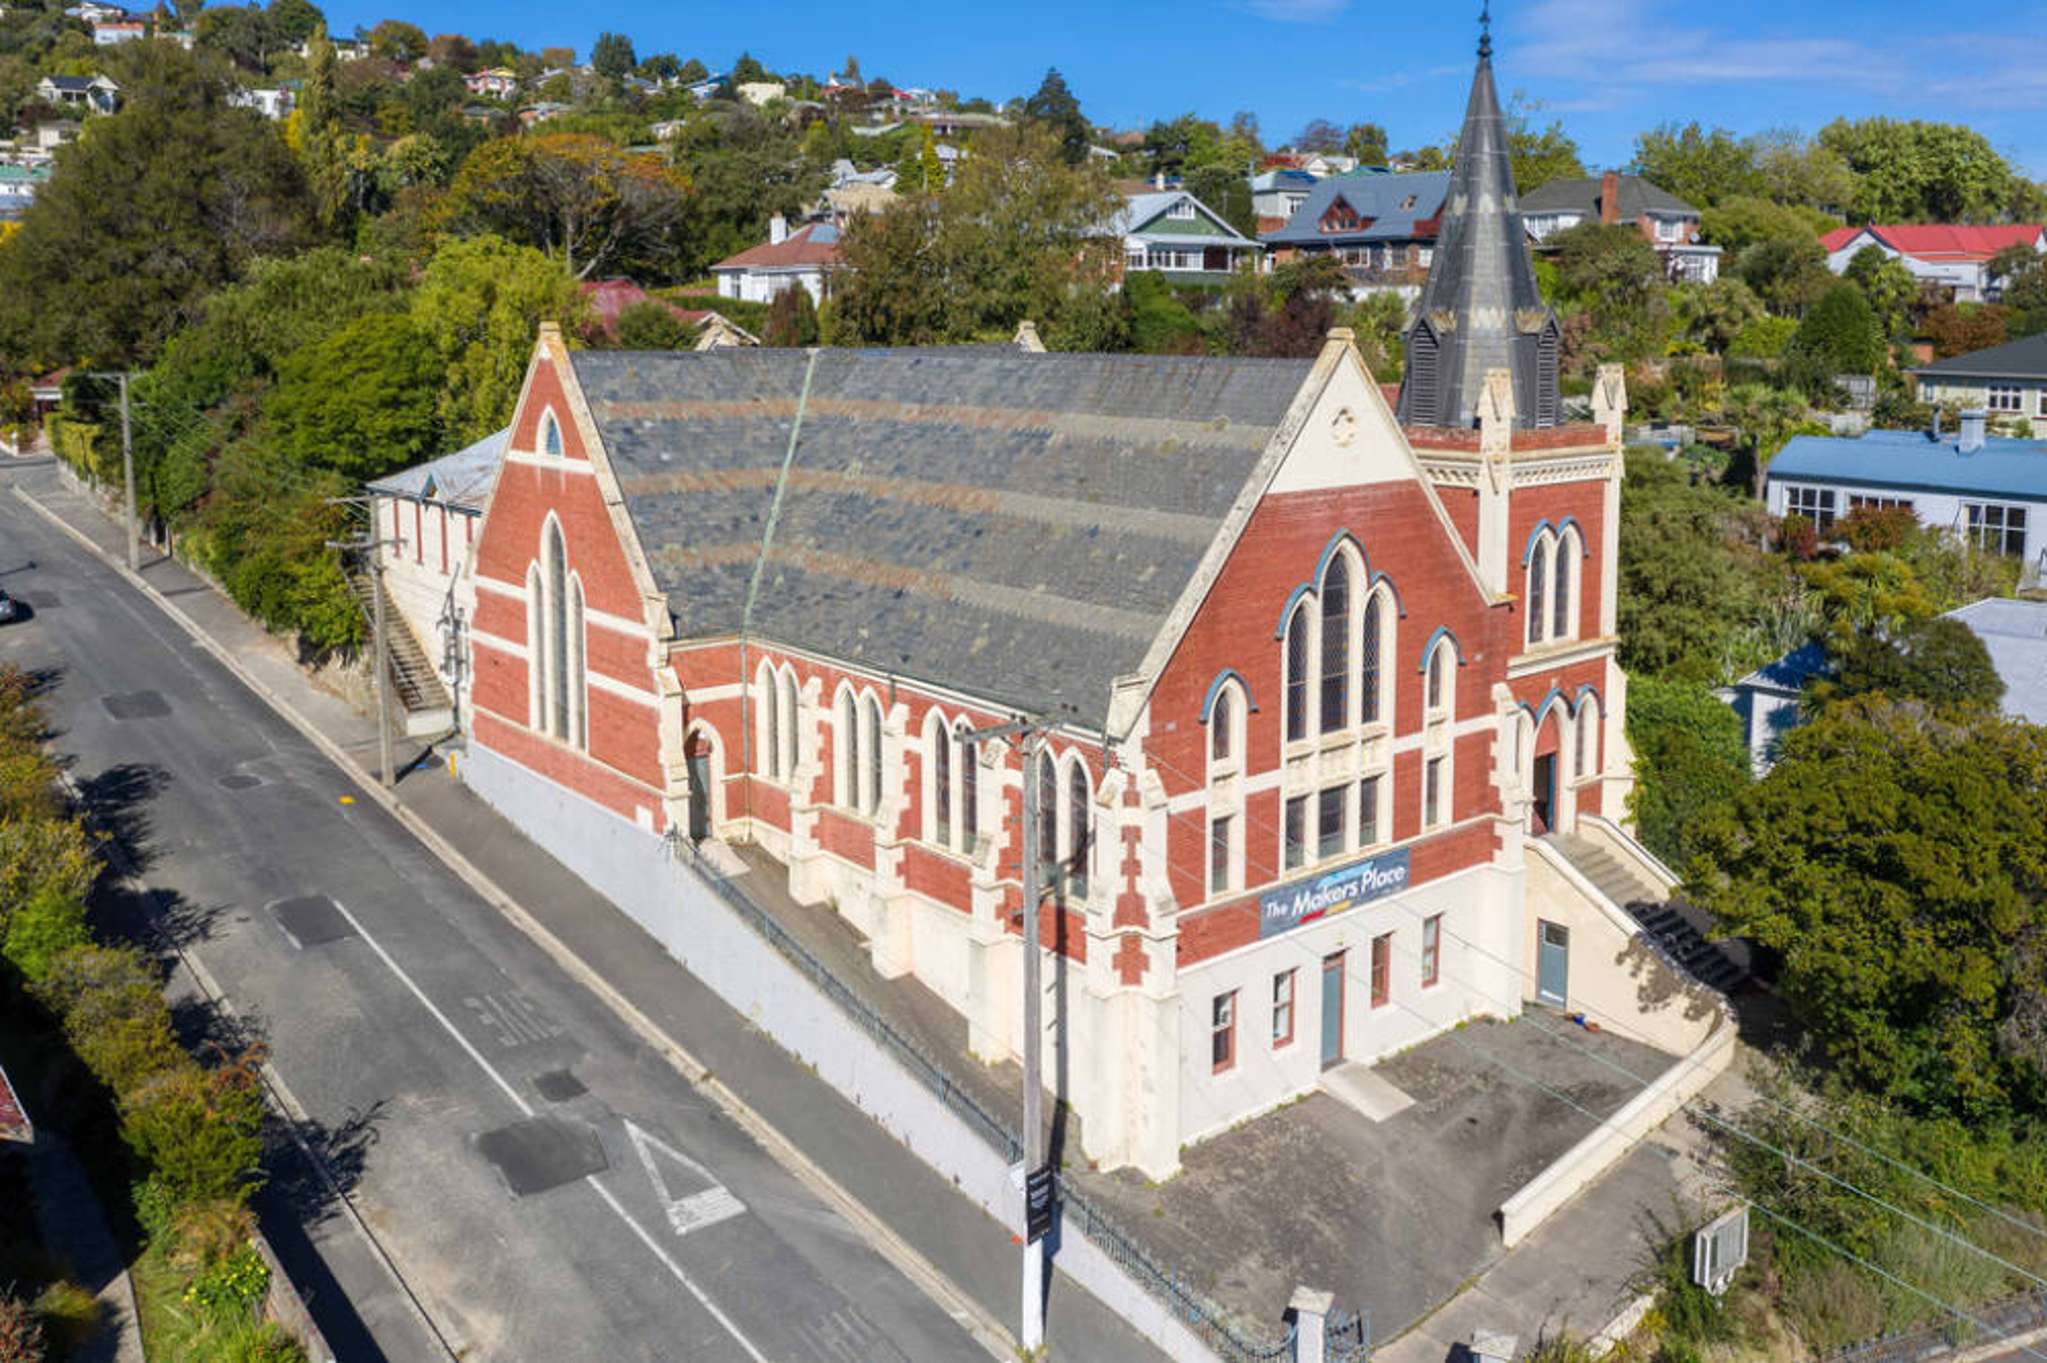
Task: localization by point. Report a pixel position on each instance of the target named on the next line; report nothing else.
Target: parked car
(8, 609)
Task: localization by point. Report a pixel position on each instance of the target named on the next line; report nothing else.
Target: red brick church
(1315, 670)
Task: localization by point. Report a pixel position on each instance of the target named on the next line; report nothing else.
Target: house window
(1133, 258)
(1336, 646)
(1222, 1032)
(1857, 501)
(2040, 402)
(1222, 719)
(1432, 950)
(1296, 849)
(1563, 605)
(1432, 792)
(2006, 397)
(1329, 824)
(872, 746)
(789, 722)
(1048, 818)
(771, 721)
(1998, 529)
(560, 699)
(1586, 758)
(1667, 229)
(1220, 848)
(550, 435)
(941, 785)
(1816, 504)
(1368, 812)
(1283, 1009)
(849, 750)
(1183, 210)
(1382, 970)
(1297, 674)
(1079, 825)
(1538, 587)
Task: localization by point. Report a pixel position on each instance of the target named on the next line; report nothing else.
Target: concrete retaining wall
(287, 1308)
(631, 867)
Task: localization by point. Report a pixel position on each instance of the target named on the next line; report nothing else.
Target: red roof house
(1952, 256)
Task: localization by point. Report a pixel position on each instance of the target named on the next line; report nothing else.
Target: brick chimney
(1610, 197)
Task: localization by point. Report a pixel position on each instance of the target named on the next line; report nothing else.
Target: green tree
(1228, 193)
(2023, 272)
(577, 197)
(1539, 155)
(294, 21)
(397, 41)
(1840, 335)
(1898, 861)
(1054, 107)
(455, 52)
(651, 324)
(1619, 279)
(1803, 174)
(1890, 287)
(746, 70)
(1789, 274)
(612, 56)
(1964, 328)
(1160, 323)
(242, 33)
(1366, 142)
(1703, 167)
(1711, 316)
(361, 402)
(167, 200)
(1739, 222)
(1937, 661)
(742, 170)
(792, 319)
(1690, 759)
(1915, 171)
(1684, 583)
(480, 302)
(1766, 419)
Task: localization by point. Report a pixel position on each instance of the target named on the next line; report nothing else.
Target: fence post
(1311, 1323)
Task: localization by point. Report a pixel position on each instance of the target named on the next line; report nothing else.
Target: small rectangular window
(1432, 792)
(2040, 403)
(1368, 812)
(1282, 1009)
(1816, 504)
(1296, 850)
(1222, 1037)
(1329, 824)
(1219, 846)
(1382, 970)
(2005, 397)
(1432, 950)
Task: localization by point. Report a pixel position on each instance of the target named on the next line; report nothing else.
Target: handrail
(1672, 880)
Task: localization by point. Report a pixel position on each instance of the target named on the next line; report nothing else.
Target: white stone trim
(617, 624)
(1546, 656)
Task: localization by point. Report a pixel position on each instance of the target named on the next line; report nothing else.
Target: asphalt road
(545, 1186)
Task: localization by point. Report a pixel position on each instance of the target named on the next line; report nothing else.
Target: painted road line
(526, 1110)
(694, 1211)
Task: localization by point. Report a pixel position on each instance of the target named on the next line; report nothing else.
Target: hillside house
(499, 82)
(2008, 381)
(1182, 238)
(87, 94)
(1382, 226)
(1955, 259)
(802, 258)
(1665, 221)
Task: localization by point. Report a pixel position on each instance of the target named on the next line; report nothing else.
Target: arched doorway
(1544, 778)
(706, 784)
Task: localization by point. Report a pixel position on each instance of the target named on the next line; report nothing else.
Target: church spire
(1481, 309)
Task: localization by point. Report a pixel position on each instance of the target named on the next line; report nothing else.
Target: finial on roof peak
(1485, 30)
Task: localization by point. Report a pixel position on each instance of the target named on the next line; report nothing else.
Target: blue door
(1332, 1010)
(1552, 962)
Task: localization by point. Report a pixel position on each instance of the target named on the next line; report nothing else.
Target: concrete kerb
(986, 1329)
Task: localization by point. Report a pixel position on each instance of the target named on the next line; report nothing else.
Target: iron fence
(2003, 1320)
(1233, 1340)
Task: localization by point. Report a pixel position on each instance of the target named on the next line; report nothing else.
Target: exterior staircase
(1679, 928)
(415, 684)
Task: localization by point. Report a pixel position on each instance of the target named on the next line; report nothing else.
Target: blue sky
(1607, 68)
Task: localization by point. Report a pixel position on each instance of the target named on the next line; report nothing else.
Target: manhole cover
(137, 705)
(241, 780)
(310, 920)
(558, 1086)
(542, 1152)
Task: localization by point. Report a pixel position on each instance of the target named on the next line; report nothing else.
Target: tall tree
(167, 200)
(1319, 135)
(742, 169)
(396, 40)
(294, 20)
(1054, 107)
(1703, 167)
(1619, 279)
(579, 198)
(478, 303)
(1539, 155)
(1915, 171)
(361, 401)
(1367, 142)
(613, 56)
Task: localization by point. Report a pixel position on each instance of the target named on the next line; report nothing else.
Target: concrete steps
(1679, 928)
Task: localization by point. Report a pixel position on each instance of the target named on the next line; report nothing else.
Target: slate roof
(1910, 460)
(2025, 358)
(2015, 634)
(1637, 196)
(1379, 198)
(463, 479)
(1012, 526)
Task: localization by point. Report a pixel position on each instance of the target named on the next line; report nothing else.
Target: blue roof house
(1991, 491)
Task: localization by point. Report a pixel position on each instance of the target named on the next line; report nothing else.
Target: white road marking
(526, 1110)
(695, 1211)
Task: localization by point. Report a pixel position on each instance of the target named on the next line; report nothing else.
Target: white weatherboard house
(784, 261)
(1176, 234)
(1991, 491)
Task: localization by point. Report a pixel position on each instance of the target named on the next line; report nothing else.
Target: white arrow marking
(696, 1210)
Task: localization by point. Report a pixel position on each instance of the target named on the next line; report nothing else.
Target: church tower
(1480, 309)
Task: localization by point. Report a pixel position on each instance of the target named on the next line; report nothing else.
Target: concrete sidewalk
(912, 1214)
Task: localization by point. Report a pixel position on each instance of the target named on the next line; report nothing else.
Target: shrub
(1833, 1305)
(200, 1131)
(48, 924)
(156, 1210)
(21, 1334)
(231, 1287)
(44, 855)
(113, 1013)
(204, 1234)
(254, 1342)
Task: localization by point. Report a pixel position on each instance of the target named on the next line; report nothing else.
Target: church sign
(1332, 892)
